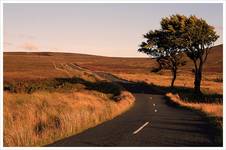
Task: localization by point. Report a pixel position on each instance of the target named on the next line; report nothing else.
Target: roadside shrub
(9, 87)
(106, 87)
(40, 127)
(155, 70)
(63, 85)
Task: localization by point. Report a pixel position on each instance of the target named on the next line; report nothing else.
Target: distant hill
(214, 61)
(32, 65)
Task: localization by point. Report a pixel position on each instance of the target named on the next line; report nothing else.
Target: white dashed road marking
(153, 104)
(156, 110)
(139, 129)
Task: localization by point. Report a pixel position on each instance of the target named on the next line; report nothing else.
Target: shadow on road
(185, 92)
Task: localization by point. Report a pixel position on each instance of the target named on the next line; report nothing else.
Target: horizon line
(70, 52)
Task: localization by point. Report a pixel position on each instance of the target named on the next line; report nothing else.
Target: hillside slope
(40, 65)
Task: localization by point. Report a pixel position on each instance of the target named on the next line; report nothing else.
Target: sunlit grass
(43, 117)
(212, 109)
(184, 79)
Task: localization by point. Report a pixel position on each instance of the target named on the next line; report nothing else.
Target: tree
(163, 46)
(191, 35)
(199, 38)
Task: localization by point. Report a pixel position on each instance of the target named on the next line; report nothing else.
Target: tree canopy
(180, 34)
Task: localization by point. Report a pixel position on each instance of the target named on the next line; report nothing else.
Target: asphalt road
(150, 122)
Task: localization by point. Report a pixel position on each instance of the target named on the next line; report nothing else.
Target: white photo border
(2, 2)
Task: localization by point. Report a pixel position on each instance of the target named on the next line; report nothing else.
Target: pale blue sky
(100, 29)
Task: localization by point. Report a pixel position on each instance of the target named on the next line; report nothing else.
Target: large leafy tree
(198, 39)
(164, 45)
(191, 35)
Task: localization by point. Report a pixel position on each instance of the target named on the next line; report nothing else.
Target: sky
(98, 29)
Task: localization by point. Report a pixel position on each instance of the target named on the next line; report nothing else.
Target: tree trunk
(174, 72)
(198, 78)
(160, 65)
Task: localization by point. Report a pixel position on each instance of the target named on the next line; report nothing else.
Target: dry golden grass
(32, 66)
(42, 117)
(184, 79)
(213, 109)
(29, 66)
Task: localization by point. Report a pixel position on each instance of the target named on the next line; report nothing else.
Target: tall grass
(62, 85)
(42, 117)
(183, 80)
(211, 109)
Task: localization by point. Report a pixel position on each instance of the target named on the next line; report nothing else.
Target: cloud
(7, 44)
(30, 46)
(25, 36)
(54, 49)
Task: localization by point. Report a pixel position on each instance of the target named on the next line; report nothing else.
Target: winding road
(150, 122)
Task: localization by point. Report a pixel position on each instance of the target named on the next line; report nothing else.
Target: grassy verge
(42, 117)
(212, 111)
(62, 85)
(40, 111)
(163, 79)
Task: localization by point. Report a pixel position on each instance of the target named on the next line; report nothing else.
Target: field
(30, 66)
(38, 111)
(41, 118)
(48, 96)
